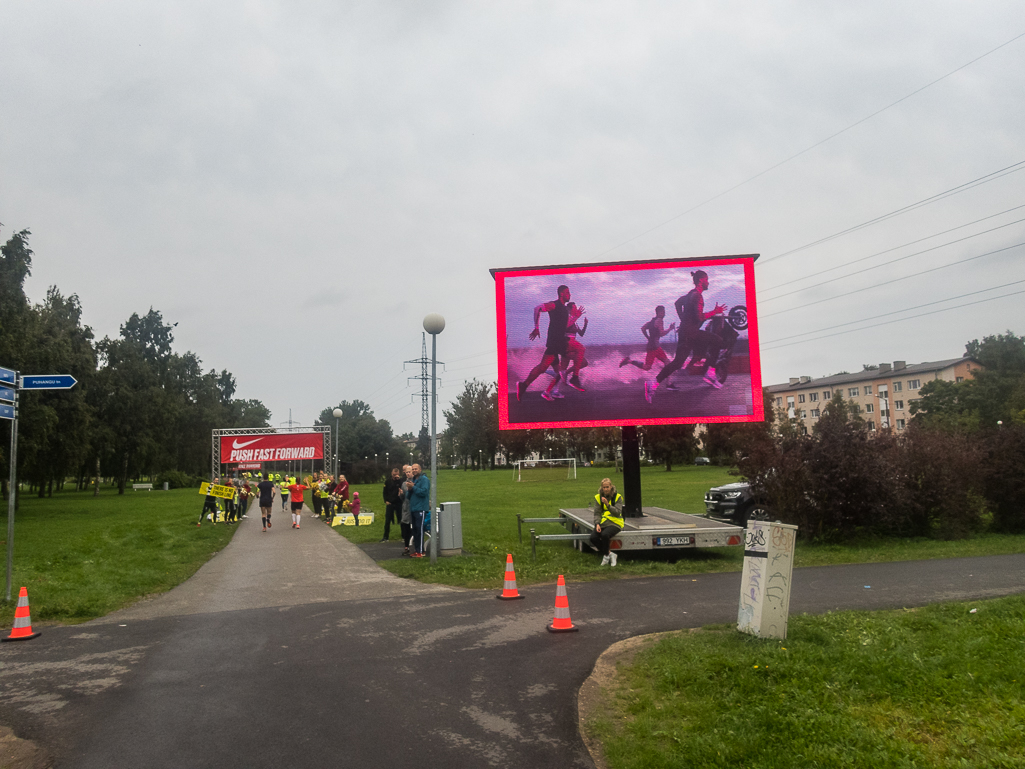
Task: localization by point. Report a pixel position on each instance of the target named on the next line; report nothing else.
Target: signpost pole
(18, 383)
(12, 495)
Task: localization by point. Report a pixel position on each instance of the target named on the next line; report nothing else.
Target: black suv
(737, 503)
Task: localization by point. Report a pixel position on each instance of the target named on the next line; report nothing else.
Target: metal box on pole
(765, 585)
(450, 528)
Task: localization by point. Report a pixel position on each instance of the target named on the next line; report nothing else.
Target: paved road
(293, 649)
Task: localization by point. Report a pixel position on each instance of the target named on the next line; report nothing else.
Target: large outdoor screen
(630, 343)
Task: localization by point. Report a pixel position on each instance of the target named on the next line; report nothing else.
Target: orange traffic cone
(562, 623)
(22, 630)
(509, 591)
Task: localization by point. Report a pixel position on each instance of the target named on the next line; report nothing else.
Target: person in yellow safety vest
(283, 485)
(607, 507)
(318, 502)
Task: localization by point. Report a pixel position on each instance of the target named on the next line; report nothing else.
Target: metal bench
(146, 486)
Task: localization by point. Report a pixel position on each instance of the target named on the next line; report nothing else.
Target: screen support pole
(631, 473)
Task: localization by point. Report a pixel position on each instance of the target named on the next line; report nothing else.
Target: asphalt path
(293, 649)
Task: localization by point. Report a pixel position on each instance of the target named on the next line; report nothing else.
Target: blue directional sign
(6, 412)
(7, 376)
(6, 394)
(47, 381)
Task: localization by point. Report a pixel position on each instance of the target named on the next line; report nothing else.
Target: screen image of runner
(629, 343)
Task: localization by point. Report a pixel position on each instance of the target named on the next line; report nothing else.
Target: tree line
(139, 409)
(473, 439)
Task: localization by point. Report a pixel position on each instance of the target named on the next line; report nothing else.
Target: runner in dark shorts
(556, 342)
(691, 309)
(266, 490)
(296, 490)
(653, 331)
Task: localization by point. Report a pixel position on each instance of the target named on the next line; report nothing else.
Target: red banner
(271, 448)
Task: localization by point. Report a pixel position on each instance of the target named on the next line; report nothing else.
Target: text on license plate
(673, 541)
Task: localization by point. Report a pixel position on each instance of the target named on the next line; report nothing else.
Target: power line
(895, 312)
(897, 320)
(888, 250)
(810, 148)
(892, 261)
(990, 177)
(896, 280)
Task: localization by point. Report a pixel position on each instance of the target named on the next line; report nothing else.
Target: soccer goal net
(545, 469)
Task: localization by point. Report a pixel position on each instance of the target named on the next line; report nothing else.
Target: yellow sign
(224, 492)
(348, 519)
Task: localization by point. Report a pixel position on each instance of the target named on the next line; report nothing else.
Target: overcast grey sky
(297, 185)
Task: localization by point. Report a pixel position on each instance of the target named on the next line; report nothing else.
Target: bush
(1003, 476)
(176, 479)
(928, 482)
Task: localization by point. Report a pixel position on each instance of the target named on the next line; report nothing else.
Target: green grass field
(491, 499)
(82, 556)
(933, 687)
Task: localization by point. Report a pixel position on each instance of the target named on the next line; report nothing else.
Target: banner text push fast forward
(271, 448)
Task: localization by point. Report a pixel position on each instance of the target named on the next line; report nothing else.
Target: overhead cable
(811, 275)
(896, 320)
(1011, 169)
(892, 261)
(895, 280)
(813, 146)
(894, 312)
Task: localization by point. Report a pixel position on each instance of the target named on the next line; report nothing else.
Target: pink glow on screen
(616, 301)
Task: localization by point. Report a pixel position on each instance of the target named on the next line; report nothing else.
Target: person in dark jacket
(419, 503)
(392, 503)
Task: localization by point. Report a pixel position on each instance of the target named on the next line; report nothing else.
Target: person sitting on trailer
(607, 507)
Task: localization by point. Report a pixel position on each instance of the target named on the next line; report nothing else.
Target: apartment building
(883, 395)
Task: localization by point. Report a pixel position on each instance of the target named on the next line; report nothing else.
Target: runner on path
(296, 491)
(556, 344)
(266, 489)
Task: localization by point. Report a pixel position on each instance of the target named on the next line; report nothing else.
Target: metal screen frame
(217, 434)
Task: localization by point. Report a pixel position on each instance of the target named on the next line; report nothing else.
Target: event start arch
(268, 448)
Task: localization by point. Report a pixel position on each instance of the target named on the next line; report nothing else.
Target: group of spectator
(234, 507)
(406, 496)
(331, 496)
(407, 501)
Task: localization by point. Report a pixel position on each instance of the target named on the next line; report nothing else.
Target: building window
(779, 402)
(815, 413)
(897, 386)
(871, 426)
(914, 384)
(826, 395)
(800, 397)
(804, 414)
(853, 392)
(900, 424)
(869, 408)
(959, 379)
(899, 405)
(790, 401)
(813, 397)
(868, 389)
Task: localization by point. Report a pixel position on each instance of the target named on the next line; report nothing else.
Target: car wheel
(757, 512)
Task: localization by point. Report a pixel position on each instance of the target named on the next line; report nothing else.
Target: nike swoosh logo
(236, 445)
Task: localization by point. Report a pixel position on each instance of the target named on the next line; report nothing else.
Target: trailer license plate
(673, 541)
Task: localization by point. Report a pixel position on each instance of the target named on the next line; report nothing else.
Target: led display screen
(629, 343)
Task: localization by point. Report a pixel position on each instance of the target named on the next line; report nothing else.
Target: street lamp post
(434, 324)
(337, 415)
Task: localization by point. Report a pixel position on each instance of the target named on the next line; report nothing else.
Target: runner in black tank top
(555, 341)
(691, 309)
